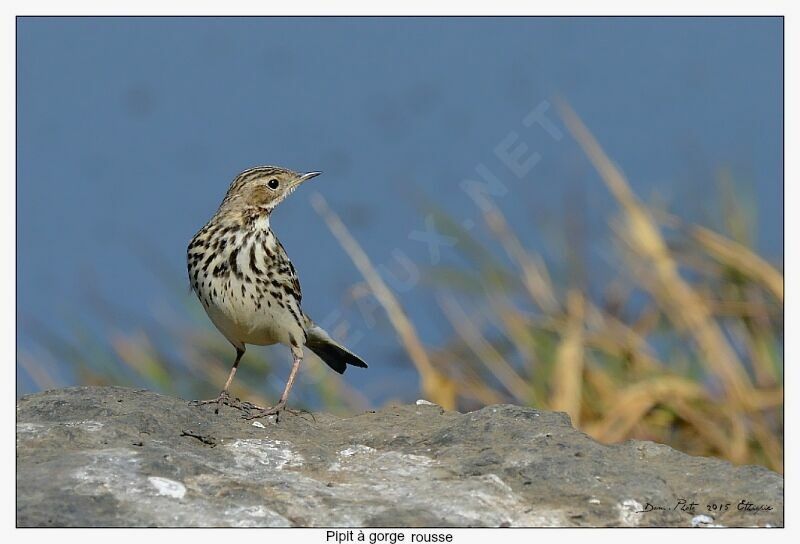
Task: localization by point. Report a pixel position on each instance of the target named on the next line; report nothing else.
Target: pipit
(248, 286)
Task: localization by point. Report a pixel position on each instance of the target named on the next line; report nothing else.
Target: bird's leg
(224, 397)
(297, 355)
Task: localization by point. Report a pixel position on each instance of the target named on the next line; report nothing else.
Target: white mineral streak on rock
(254, 516)
(115, 470)
(86, 425)
(628, 512)
(354, 450)
(263, 453)
(31, 428)
(168, 487)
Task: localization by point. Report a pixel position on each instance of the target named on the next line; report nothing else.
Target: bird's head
(263, 187)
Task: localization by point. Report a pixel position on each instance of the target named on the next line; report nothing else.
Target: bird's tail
(334, 354)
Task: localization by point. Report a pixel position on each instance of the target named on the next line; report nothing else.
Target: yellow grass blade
(435, 386)
(680, 302)
(534, 272)
(516, 327)
(635, 401)
(471, 385)
(741, 258)
(704, 426)
(483, 349)
(568, 371)
(613, 333)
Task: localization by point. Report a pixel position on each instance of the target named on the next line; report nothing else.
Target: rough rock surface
(109, 456)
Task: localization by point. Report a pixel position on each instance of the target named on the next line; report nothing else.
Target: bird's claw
(225, 398)
(276, 411)
(249, 410)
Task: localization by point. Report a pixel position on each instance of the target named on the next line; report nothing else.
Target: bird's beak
(307, 176)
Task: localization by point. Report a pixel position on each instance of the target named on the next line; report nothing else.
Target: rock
(109, 456)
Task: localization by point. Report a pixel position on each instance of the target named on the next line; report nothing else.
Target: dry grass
(717, 389)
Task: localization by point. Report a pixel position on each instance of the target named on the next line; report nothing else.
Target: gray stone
(109, 456)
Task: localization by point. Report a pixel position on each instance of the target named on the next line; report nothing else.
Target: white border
(409, 7)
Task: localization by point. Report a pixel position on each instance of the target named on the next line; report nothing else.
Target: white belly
(244, 323)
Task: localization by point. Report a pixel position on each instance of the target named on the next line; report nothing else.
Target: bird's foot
(276, 411)
(225, 398)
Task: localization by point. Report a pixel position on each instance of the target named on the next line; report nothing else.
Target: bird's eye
(273, 183)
